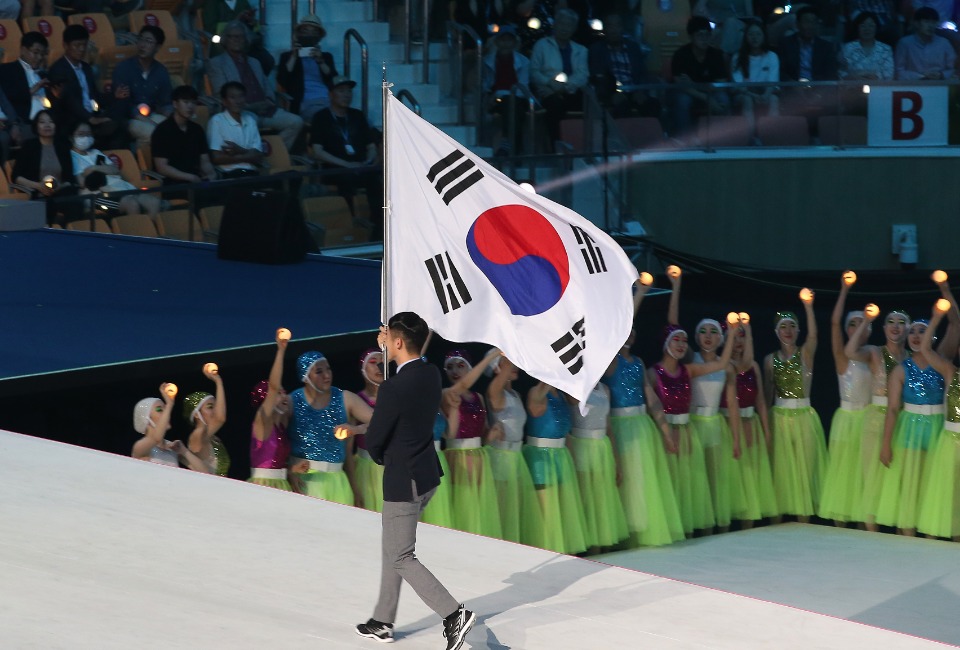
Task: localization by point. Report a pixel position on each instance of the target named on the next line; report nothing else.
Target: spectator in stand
(21, 80)
(504, 68)
(236, 65)
(235, 144)
(29, 8)
(44, 167)
(884, 14)
(340, 140)
(10, 132)
(179, 145)
(754, 63)
(559, 71)
(306, 72)
(481, 15)
(805, 56)
(79, 100)
(141, 87)
(533, 19)
(923, 54)
(698, 62)
(865, 57)
(617, 63)
(217, 14)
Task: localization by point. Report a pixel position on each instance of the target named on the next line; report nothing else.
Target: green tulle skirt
(727, 488)
(555, 480)
(597, 476)
(940, 500)
(874, 472)
(275, 483)
(520, 517)
(439, 510)
(913, 438)
(688, 471)
(475, 508)
(755, 468)
(646, 489)
(842, 495)
(329, 486)
(369, 481)
(799, 459)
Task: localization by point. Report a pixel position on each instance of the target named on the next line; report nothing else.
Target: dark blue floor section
(74, 300)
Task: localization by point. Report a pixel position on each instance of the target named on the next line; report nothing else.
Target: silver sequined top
(856, 382)
(707, 389)
(311, 429)
(512, 416)
(596, 417)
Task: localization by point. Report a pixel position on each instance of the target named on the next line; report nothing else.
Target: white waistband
(924, 409)
(952, 426)
(623, 411)
(879, 400)
(464, 443)
(506, 445)
(705, 411)
(677, 418)
(594, 434)
(792, 402)
(533, 441)
(266, 472)
(852, 406)
(745, 411)
(436, 443)
(319, 465)
(364, 454)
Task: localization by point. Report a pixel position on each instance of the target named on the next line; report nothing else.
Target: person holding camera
(306, 72)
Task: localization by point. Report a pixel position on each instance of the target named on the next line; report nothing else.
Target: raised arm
(809, 349)
(836, 327)
(219, 416)
(720, 363)
(537, 400)
(496, 391)
(939, 363)
(466, 382)
(748, 351)
(673, 310)
(155, 432)
(951, 340)
(855, 348)
(262, 423)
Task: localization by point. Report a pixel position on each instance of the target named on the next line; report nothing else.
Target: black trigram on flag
(453, 175)
(570, 346)
(451, 291)
(592, 256)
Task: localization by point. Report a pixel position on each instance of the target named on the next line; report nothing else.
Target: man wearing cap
(306, 72)
(340, 140)
(923, 54)
(236, 65)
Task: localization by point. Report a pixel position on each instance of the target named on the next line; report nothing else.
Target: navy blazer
(69, 105)
(400, 434)
(824, 62)
(13, 80)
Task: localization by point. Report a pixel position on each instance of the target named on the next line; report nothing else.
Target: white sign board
(907, 116)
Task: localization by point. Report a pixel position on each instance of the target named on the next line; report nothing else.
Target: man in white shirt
(235, 145)
(21, 80)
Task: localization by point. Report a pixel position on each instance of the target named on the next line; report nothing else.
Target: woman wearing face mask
(207, 414)
(671, 379)
(842, 496)
(151, 419)
(914, 422)
(43, 166)
(269, 445)
(86, 161)
(882, 359)
(369, 475)
(799, 449)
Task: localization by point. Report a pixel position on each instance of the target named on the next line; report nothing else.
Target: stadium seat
(210, 218)
(52, 28)
(723, 131)
(843, 130)
(276, 157)
(130, 170)
(84, 226)
(139, 225)
(177, 224)
(783, 131)
(10, 40)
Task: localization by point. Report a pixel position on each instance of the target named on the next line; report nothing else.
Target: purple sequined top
(746, 390)
(472, 417)
(360, 441)
(673, 390)
(273, 452)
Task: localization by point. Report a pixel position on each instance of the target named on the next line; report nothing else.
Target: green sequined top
(220, 463)
(883, 372)
(953, 399)
(790, 377)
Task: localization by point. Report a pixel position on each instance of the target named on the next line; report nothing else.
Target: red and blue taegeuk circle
(522, 256)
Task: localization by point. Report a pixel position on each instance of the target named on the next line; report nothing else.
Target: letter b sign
(911, 117)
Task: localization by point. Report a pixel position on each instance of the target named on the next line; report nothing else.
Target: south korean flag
(483, 260)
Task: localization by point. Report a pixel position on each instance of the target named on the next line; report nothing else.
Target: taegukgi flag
(481, 259)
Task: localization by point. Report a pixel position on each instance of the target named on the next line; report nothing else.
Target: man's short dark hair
(184, 92)
(74, 33)
(698, 24)
(926, 13)
(807, 9)
(232, 85)
(154, 31)
(30, 39)
(411, 328)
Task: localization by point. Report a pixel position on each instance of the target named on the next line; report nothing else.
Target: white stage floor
(101, 551)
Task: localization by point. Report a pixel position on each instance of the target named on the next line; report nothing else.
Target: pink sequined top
(273, 452)
(746, 390)
(472, 417)
(360, 441)
(673, 390)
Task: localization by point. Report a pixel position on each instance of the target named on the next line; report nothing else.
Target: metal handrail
(262, 14)
(294, 14)
(527, 94)
(408, 35)
(364, 65)
(460, 30)
(414, 104)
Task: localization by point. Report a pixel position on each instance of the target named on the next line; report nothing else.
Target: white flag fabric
(481, 259)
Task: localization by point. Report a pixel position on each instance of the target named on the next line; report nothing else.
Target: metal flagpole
(385, 265)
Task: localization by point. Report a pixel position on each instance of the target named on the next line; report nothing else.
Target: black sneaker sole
(370, 635)
(467, 625)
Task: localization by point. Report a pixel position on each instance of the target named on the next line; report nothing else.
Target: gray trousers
(400, 561)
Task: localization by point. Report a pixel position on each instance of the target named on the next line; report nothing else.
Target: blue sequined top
(311, 430)
(921, 386)
(554, 423)
(626, 383)
(439, 426)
